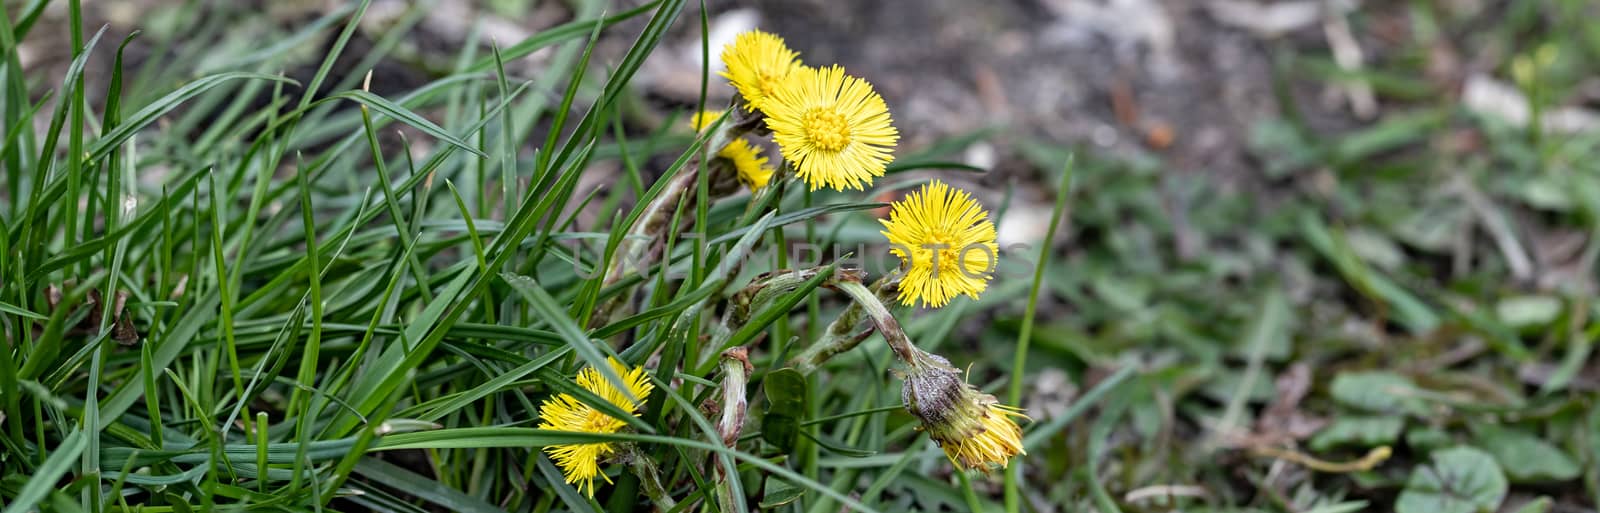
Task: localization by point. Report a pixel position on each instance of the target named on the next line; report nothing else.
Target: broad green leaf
(780, 493)
(1525, 457)
(1458, 480)
(1378, 392)
(785, 390)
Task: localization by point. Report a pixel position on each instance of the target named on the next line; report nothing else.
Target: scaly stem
(643, 243)
(649, 478)
(736, 371)
(842, 335)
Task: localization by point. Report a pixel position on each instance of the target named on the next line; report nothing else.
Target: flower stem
(842, 335)
(643, 243)
(649, 478)
(736, 371)
(763, 289)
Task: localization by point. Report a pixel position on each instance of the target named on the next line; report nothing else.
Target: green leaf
(1335, 246)
(1378, 392)
(780, 493)
(1525, 457)
(466, 438)
(786, 406)
(17, 310)
(1359, 431)
(900, 166)
(43, 480)
(422, 487)
(1459, 480)
(1394, 131)
(404, 115)
(179, 505)
(150, 113)
(586, 348)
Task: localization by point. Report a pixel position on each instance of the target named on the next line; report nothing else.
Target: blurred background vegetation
(1314, 229)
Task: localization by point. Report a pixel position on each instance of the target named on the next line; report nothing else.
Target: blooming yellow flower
(746, 158)
(757, 62)
(833, 126)
(945, 243)
(580, 463)
(973, 428)
(748, 161)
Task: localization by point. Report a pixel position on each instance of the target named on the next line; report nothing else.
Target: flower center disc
(827, 129)
(940, 252)
(949, 254)
(598, 422)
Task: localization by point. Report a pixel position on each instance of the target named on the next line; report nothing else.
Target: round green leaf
(1459, 480)
(1382, 392)
(1525, 457)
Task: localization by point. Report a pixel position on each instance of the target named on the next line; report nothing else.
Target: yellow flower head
(580, 463)
(757, 62)
(973, 428)
(747, 160)
(945, 243)
(833, 126)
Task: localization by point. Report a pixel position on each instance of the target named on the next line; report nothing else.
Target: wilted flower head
(973, 428)
(945, 241)
(757, 63)
(580, 463)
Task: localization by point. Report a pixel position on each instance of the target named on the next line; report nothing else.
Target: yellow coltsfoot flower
(974, 429)
(833, 126)
(580, 463)
(757, 63)
(748, 161)
(945, 242)
(752, 167)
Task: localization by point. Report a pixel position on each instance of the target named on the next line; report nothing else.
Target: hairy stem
(649, 478)
(842, 334)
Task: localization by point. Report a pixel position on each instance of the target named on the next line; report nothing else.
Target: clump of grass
(230, 291)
